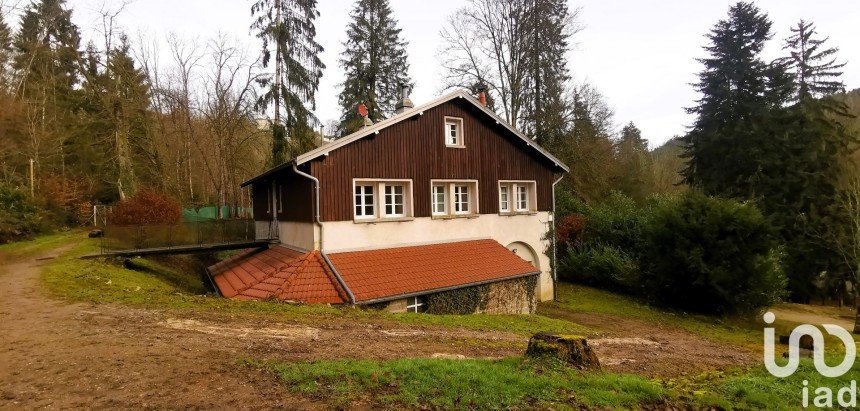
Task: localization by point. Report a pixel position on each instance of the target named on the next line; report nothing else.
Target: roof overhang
(417, 111)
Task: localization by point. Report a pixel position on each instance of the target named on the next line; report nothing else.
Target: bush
(711, 255)
(19, 217)
(602, 266)
(146, 207)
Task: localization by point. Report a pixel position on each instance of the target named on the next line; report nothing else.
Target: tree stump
(572, 349)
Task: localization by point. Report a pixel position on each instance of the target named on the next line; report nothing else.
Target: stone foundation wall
(517, 296)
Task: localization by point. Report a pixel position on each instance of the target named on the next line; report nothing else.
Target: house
(443, 207)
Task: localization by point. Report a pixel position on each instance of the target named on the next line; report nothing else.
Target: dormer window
(454, 132)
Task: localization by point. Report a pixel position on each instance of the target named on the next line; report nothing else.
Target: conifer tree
(5, 52)
(286, 28)
(549, 25)
(815, 68)
(46, 60)
(374, 62)
(47, 48)
(806, 178)
(634, 163)
(740, 93)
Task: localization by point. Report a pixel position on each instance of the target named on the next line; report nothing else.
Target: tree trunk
(857, 311)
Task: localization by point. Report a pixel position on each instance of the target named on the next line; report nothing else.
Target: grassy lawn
(529, 383)
(154, 285)
(457, 384)
(23, 249)
(440, 383)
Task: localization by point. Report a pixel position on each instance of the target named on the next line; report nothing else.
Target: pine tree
(47, 48)
(806, 178)
(549, 24)
(5, 52)
(634, 163)
(816, 71)
(46, 59)
(374, 63)
(286, 28)
(740, 93)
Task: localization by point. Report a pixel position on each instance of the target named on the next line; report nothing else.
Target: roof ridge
(301, 264)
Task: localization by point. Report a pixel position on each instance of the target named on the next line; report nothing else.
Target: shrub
(711, 255)
(617, 222)
(601, 266)
(19, 218)
(570, 230)
(146, 207)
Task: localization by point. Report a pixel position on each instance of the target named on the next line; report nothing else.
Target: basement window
(380, 200)
(454, 132)
(415, 305)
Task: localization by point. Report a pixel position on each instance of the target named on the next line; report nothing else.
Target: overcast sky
(639, 54)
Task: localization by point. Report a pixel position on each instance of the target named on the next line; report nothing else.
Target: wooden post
(32, 180)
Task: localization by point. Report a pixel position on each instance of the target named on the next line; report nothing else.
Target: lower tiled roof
(391, 272)
(279, 273)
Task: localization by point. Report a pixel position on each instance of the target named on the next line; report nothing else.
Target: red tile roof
(283, 274)
(277, 273)
(391, 272)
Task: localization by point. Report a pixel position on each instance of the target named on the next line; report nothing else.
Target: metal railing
(136, 237)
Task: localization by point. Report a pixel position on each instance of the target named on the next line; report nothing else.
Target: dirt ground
(63, 355)
(645, 348)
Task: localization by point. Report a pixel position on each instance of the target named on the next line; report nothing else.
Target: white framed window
(461, 199)
(365, 200)
(517, 197)
(381, 199)
(522, 197)
(394, 202)
(439, 199)
(269, 200)
(454, 132)
(415, 305)
(504, 198)
(453, 198)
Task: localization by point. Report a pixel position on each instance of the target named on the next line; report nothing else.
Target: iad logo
(817, 352)
(824, 395)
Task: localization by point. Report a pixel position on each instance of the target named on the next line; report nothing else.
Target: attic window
(454, 132)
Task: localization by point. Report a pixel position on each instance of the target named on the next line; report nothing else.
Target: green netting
(211, 213)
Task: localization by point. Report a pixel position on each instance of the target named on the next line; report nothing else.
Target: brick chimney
(482, 94)
(405, 102)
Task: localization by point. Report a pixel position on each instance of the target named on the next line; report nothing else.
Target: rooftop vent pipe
(405, 102)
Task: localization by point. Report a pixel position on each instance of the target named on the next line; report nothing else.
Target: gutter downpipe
(320, 224)
(554, 240)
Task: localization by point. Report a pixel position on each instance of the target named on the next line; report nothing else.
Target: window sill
(382, 220)
(515, 213)
(453, 146)
(454, 216)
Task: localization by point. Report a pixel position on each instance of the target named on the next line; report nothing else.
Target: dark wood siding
(415, 149)
(296, 197)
